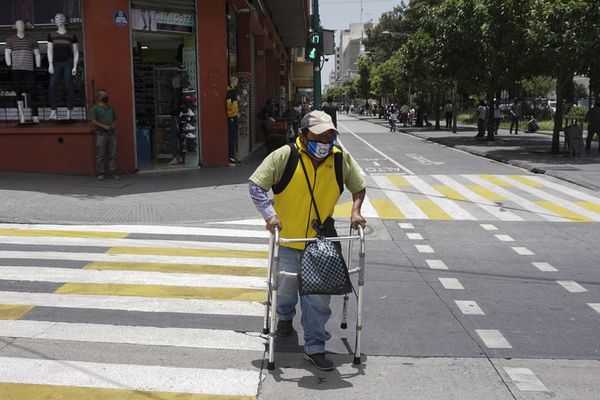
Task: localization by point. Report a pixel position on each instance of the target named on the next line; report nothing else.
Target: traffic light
(314, 46)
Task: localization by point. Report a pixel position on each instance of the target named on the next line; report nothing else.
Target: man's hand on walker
(357, 220)
(272, 223)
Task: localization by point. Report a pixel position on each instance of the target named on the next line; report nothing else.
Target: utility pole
(316, 26)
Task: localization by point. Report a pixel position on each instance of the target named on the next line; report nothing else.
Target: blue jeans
(232, 133)
(315, 307)
(62, 70)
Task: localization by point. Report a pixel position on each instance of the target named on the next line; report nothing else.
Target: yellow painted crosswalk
(477, 197)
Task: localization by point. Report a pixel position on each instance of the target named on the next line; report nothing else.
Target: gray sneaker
(100, 177)
(284, 328)
(320, 361)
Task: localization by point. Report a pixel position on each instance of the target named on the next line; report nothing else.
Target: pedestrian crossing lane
(478, 197)
(141, 287)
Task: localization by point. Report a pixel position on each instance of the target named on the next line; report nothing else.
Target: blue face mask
(319, 150)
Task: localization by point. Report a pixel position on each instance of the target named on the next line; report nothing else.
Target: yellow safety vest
(292, 200)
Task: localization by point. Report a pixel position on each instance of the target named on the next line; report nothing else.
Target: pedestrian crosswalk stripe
(386, 209)
(450, 208)
(179, 268)
(188, 252)
(96, 242)
(133, 303)
(432, 210)
(590, 206)
(182, 292)
(526, 181)
(398, 180)
(75, 275)
(138, 335)
(569, 191)
(400, 199)
(71, 256)
(485, 193)
(450, 193)
(12, 311)
(493, 179)
(342, 210)
(563, 212)
(61, 233)
(17, 391)
(229, 381)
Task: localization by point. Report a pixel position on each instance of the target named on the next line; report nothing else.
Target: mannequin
(63, 56)
(19, 55)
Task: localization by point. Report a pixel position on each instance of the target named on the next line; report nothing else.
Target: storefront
(140, 51)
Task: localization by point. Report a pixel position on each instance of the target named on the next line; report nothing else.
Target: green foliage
(336, 92)
(576, 112)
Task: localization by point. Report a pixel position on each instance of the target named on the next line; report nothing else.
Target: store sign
(161, 21)
(121, 18)
(38, 12)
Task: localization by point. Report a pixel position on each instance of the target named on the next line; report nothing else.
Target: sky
(339, 14)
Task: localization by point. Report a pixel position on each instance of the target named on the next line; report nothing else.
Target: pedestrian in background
(104, 118)
(515, 115)
(497, 116)
(482, 115)
(593, 119)
(293, 212)
(448, 110)
(404, 110)
(330, 109)
(232, 118)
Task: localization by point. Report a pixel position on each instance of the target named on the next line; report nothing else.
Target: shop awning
(291, 19)
(302, 74)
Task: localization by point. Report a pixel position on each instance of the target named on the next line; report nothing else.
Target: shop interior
(165, 95)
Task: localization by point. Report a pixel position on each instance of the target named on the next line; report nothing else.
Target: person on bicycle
(292, 211)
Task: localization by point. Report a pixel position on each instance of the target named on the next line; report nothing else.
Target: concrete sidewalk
(530, 151)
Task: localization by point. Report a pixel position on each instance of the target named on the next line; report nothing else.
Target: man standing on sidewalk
(515, 115)
(232, 119)
(593, 119)
(311, 165)
(104, 118)
(448, 113)
(330, 109)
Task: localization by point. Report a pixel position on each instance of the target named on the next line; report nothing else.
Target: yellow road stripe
(13, 312)
(164, 251)
(343, 210)
(178, 268)
(495, 180)
(37, 233)
(450, 193)
(590, 206)
(563, 212)
(386, 209)
(526, 181)
(485, 193)
(19, 391)
(185, 292)
(432, 210)
(398, 180)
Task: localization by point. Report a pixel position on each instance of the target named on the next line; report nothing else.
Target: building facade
(136, 50)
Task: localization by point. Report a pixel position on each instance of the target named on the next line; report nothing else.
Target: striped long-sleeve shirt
(22, 52)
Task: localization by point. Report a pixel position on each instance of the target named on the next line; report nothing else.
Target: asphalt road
(482, 282)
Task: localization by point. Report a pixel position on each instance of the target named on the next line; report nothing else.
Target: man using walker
(292, 172)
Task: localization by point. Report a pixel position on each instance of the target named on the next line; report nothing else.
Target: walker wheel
(344, 325)
(265, 331)
(271, 366)
(356, 361)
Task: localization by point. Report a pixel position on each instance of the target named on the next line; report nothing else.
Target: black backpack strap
(288, 172)
(339, 170)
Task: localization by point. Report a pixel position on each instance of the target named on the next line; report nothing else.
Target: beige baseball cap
(317, 122)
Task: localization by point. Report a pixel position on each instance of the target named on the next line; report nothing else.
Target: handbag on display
(322, 266)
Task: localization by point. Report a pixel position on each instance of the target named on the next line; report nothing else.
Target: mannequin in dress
(20, 54)
(63, 56)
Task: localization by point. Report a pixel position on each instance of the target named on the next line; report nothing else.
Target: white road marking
(485, 204)
(424, 248)
(525, 379)
(129, 377)
(101, 242)
(523, 251)
(248, 222)
(489, 227)
(549, 197)
(367, 210)
(48, 255)
(595, 306)
(414, 236)
(569, 191)
(375, 163)
(345, 149)
(61, 275)
(141, 335)
(436, 264)
(424, 161)
(468, 307)
(449, 207)
(144, 229)
(544, 266)
(493, 339)
(572, 286)
(451, 284)
(405, 225)
(526, 204)
(399, 198)
(504, 238)
(402, 167)
(134, 303)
